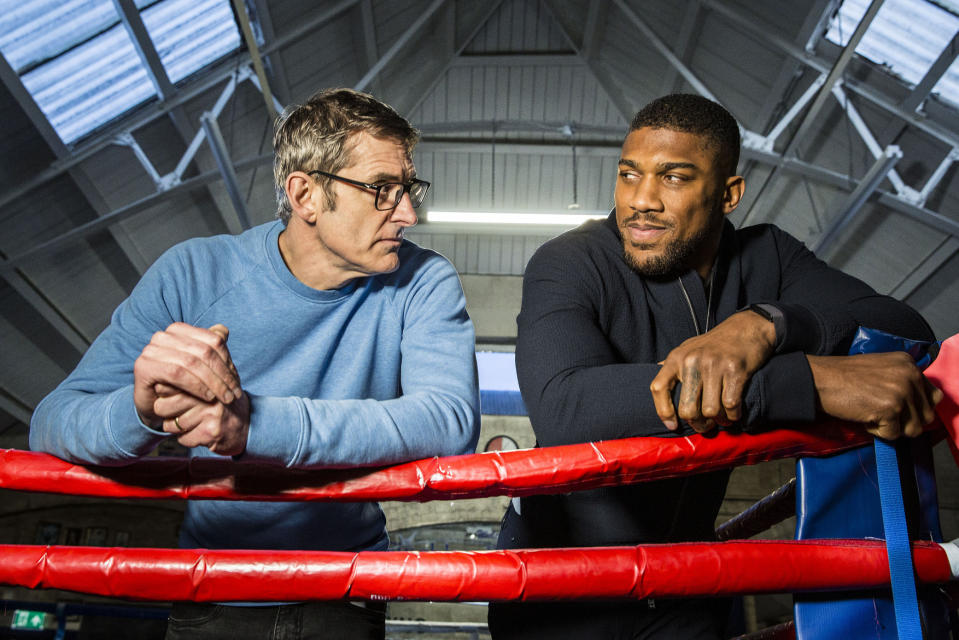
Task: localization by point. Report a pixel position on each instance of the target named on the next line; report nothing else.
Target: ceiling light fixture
(491, 217)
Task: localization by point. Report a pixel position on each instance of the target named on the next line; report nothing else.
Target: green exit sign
(23, 619)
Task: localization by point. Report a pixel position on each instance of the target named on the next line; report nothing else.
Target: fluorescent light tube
(490, 217)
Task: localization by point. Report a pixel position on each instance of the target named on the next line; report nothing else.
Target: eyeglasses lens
(418, 193)
(390, 194)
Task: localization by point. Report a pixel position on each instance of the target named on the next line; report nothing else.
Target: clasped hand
(713, 368)
(185, 382)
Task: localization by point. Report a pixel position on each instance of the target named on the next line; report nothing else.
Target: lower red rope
(690, 569)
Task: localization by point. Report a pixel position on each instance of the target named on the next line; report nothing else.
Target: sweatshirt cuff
(275, 431)
(127, 430)
(786, 390)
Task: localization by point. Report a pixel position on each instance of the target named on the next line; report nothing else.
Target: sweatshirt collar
(286, 277)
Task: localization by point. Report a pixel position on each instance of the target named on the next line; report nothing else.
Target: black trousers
(702, 619)
(335, 620)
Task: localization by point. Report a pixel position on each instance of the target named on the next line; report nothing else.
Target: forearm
(613, 401)
(91, 428)
(304, 433)
(825, 306)
(589, 404)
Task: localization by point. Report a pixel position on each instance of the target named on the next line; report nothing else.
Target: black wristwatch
(773, 314)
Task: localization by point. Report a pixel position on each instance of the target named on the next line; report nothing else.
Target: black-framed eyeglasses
(388, 194)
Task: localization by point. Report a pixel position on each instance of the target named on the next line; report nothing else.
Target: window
(77, 60)
(905, 37)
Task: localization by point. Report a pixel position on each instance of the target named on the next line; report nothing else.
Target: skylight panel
(906, 36)
(31, 32)
(190, 34)
(90, 84)
(77, 61)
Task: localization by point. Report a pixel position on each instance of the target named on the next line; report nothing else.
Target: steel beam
(521, 59)
(419, 92)
(815, 22)
(309, 26)
(253, 49)
(200, 135)
(123, 213)
(821, 24)
(127, 140)
(872, 144)
(938, 175)
(692, 24)
(29, 291)
(854, 202)
(400, 44)
(277, 105)
(241, 222)
(789, 165)
(552, 126)
(824, 94)
(15, 407)
(922, 90)
(133, 23)
(652, 38)
(264, 22)
(795, 110)
(593, 31)
(364, 40)
(929, 81)
(835, 74)
(948, 248)
(600, 76)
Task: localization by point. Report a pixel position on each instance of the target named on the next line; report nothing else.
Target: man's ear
(299, 191)
(733, 193)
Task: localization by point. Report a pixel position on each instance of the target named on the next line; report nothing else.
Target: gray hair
(315, 135)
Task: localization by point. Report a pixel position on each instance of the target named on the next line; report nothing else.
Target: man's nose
(404, 213)
(646, 196)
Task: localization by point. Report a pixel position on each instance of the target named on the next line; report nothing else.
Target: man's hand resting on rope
(185, 383)
(884, 391)
(713, 369)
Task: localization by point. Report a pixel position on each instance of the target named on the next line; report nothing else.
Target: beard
(677, 255)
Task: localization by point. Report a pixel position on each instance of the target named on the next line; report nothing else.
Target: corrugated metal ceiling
(505, 93)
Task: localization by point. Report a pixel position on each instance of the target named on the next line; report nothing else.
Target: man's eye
(627, 175)
(672, 177)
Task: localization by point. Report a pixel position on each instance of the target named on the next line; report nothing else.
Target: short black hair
(691, 113)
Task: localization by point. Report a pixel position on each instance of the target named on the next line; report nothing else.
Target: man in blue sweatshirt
(663, 320)
(321, 340)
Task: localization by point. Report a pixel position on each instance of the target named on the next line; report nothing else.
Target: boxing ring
(645, 571)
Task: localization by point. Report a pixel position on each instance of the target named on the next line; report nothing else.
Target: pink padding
(944, 373)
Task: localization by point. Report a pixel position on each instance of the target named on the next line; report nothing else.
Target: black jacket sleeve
(823, 307)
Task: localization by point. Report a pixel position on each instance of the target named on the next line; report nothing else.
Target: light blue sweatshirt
(377, 372)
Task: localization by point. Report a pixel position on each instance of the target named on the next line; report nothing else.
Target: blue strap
(898, 549)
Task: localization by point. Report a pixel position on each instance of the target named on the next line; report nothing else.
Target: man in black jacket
(663, 320)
